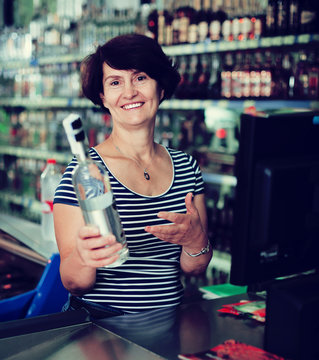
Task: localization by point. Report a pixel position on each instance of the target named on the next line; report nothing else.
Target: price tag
(242, 45)
(211, 47)
(196, 104)
(303, 39)
(265, 42)
(277, 41)
(223, 46)
(200, 48)
(289, 40)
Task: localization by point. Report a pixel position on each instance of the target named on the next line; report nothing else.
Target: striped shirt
(150, 278)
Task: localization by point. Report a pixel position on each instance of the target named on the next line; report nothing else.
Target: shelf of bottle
(37, 154)
(177, 104)
(44, 102)
(25, 201)
(220, 46)
(173, 104)
(181, 49)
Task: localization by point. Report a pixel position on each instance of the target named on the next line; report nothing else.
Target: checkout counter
(160, 334)
(32, 326)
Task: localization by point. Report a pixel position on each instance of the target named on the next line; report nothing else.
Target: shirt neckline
(133, 191)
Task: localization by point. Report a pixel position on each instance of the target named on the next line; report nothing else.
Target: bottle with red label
(49, 180)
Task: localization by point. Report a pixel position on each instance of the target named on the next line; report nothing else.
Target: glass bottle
(93, 189)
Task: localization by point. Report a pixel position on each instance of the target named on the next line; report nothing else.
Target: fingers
(189, 203)
(96, 250)
(180, 218)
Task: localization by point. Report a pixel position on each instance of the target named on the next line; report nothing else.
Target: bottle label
(97, 203)
(47, 207)
(215, 29)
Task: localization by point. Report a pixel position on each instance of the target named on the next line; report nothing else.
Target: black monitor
(276, 214)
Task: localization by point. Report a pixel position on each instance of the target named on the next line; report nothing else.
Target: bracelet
(204, 250)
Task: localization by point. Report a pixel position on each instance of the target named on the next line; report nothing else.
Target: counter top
(157, 334)
(28, 233)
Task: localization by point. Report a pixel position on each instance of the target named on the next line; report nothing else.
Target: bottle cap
(74, 130)
(51, 161)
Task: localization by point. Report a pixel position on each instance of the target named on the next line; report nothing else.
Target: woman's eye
(115, 83)
(141, 77)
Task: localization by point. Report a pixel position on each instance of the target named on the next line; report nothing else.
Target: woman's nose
(129, 90)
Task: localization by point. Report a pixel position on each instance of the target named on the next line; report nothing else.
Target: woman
(158, 191)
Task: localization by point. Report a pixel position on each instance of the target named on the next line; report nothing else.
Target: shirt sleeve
(199, 182)
(65, 193)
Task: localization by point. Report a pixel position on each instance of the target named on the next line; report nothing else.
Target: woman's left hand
(185, 229)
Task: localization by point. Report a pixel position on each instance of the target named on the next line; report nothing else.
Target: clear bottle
(93, 189)
(49, 180)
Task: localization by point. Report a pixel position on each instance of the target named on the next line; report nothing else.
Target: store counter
(161, 334)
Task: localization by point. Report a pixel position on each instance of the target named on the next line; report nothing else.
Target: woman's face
(131, 96)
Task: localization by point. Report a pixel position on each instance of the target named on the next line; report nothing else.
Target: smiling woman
(159, 191)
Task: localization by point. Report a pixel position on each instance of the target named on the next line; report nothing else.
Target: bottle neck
(79, 151)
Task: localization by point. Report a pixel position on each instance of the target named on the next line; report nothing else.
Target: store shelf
(25, 201)
(221, 46)
(62, 158)
(183, 49)
(174, 104)
(45, 103)
(240, 105)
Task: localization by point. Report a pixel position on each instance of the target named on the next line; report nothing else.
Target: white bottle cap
(74, 130)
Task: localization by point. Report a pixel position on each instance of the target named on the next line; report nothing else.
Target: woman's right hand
(94, 249)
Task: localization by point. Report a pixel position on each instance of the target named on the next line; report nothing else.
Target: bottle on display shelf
(49, 180)
(93, 189)
(282, 17)
(309, 14)
(294, 17)
(217, 18)
(313, 76)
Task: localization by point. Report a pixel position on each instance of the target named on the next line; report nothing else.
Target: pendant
(146, 175)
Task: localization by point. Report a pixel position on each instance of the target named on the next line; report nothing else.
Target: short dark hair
(128, 52)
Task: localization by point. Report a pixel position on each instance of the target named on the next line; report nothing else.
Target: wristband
(204, 250)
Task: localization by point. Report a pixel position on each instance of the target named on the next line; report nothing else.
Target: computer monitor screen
(276, 214)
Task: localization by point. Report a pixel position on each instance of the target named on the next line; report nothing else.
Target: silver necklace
(145, 172)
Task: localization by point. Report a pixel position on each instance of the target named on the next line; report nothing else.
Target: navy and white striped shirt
(150, 278)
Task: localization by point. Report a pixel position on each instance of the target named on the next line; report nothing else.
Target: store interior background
(235, 56)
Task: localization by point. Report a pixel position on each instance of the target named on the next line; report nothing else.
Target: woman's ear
(162, 93)
(102, 97)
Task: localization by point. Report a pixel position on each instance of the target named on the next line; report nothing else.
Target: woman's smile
(132, 105)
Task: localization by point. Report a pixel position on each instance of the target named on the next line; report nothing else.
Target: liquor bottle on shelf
(226, 76)
(218, 16)
(49, 180)
(93, 189)
(314, 76)
(204, 76)
(204, 16)
(294, 17)
(214, 82)
(282, 17)
(301, 84)
(309, 16)
(193, 28)
(183, 68)
(271, 18)
(193, 74)
(255, 70)
(266, 79)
